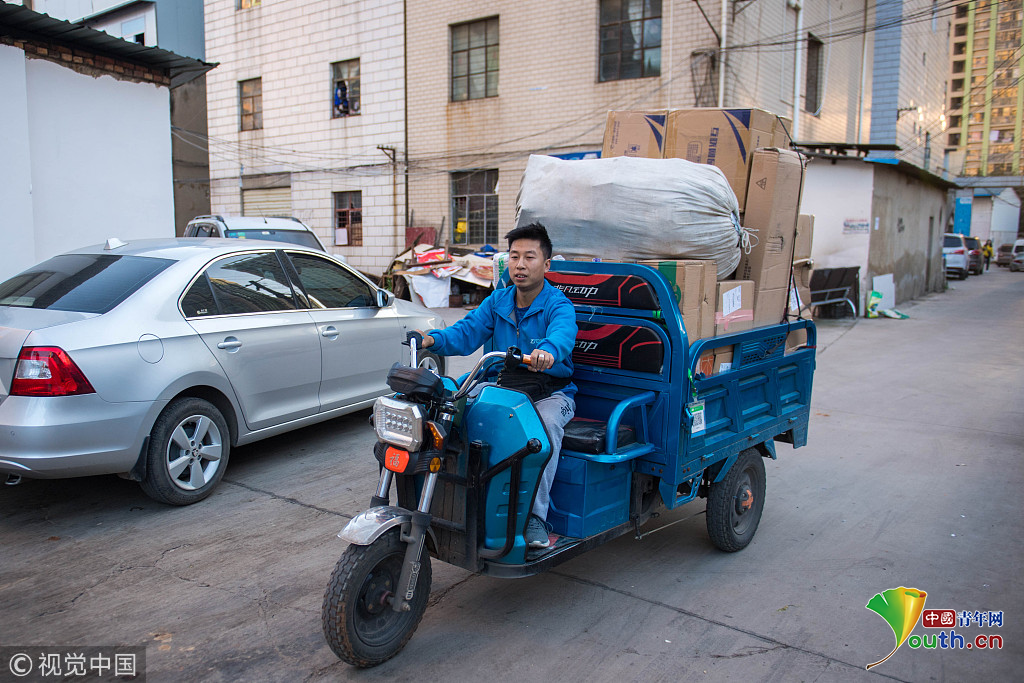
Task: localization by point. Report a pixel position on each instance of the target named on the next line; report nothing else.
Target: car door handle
(229, 343)
(330, 331)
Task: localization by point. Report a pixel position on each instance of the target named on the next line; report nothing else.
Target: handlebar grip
(413, 334)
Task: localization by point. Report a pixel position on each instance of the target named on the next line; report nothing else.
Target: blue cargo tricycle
(656, 426)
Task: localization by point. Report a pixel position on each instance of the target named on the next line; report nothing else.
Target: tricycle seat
(586, 435)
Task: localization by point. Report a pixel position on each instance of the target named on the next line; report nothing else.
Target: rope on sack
(748, 239)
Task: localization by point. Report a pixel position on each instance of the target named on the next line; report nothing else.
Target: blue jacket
(549, 325)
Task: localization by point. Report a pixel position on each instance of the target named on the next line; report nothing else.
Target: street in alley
(911, 477)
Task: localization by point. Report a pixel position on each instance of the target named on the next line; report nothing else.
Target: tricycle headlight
(398, 423)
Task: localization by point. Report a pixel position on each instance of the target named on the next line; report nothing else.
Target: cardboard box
(802, 281)
(782, 138)
(734, 307)
(804, 237)
(715, 361)
(693, 283)
(773, 200)
(635, 134)
(725, 138)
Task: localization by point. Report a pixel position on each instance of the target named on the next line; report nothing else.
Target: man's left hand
(541, 360)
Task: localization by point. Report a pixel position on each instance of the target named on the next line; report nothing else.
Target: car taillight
(958, 251)
(48, 371)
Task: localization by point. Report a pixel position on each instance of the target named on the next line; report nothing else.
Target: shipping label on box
(776, 181)
(734, 311)
(693, 283)
(804, 237)
(634, 134)
(715, 361)
(725, 138)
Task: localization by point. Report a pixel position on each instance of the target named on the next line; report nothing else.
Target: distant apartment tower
(986, 99)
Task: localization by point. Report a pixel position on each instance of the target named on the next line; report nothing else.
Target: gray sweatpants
(555, 412)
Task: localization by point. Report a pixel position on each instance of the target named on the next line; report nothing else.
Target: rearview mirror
(384, 298)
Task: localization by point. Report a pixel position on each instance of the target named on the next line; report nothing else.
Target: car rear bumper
(71, 436)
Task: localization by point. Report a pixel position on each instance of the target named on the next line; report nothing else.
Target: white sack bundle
(625, 208)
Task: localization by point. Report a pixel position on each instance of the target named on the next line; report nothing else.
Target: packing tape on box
(734, 317)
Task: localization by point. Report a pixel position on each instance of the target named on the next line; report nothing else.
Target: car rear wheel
(188, 452)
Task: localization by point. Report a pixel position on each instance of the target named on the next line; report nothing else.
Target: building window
(475, 60)
(246, 4)
(630, 39)
(812, 86)
(250, 103)
(345, 88)
(475, 207)
(348, 219)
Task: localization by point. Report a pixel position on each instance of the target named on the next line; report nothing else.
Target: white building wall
(291, 47)
(840, 198)
(16, 169)
(981, 217)
(1005, 217)
(93, 159)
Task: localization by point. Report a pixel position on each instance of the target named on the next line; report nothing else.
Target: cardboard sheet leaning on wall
(630, 209)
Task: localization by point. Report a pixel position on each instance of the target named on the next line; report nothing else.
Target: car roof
(254, 222)
(190, 248)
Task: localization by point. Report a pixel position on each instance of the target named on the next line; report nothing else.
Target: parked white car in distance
(272, 228)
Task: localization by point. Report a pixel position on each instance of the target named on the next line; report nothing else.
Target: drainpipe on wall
(863, 74)
(721, 54)
(797, 5)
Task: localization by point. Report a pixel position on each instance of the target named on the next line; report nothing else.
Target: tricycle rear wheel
(358, 621)
(735, 503)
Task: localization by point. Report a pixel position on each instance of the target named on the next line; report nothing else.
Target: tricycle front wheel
(735, 503)
(359, 623)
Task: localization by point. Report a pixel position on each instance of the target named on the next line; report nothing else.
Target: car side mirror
(384, 298)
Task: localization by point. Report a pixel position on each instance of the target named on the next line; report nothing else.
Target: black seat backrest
(623, 347)
(593, 289)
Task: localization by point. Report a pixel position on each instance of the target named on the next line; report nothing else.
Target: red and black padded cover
(593, 289)
(624, 347)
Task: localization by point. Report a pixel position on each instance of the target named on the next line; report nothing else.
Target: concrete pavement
(911, 477)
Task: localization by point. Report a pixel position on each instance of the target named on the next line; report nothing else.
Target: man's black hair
(533, 231)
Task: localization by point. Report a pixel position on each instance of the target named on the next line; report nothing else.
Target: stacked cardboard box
(800, 294)
(773, 201)
(725, 138)
(693, 282)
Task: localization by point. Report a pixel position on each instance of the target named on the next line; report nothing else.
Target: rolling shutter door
(275, 201)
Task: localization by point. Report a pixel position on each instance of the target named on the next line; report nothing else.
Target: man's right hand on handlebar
(427, 342)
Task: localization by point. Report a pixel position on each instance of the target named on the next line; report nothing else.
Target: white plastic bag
(626, 208)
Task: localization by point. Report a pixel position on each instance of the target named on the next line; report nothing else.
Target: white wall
(92, 156)
(839, 196)
(16, 165)
(1005, 215)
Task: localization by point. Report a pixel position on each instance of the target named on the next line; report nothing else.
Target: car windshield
(973, 243)
(85, 283)
(952, 242)
(300, 237)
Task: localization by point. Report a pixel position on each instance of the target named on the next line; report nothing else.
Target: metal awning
(19, 22)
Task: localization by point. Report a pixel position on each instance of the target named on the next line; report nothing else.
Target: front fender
(367, 527)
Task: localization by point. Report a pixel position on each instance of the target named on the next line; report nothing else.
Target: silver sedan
(152, 359)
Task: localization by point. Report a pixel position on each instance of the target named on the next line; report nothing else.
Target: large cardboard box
(773, 201)
(715, 361)
(782, 138)
(635, 134)
(693, 282)
(804, 237)
(725, 138)
(734, 309)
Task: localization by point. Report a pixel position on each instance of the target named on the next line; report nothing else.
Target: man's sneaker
(537, 533)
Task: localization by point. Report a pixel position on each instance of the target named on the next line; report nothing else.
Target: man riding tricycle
(599, 416)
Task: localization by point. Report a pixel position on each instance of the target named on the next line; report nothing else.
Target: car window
(198, 300)
(299, 237)
(203, 230)
(1018, 248)
(952, 241)
(249, 283)
(972, 243)
(328, 285)
(85, 283)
